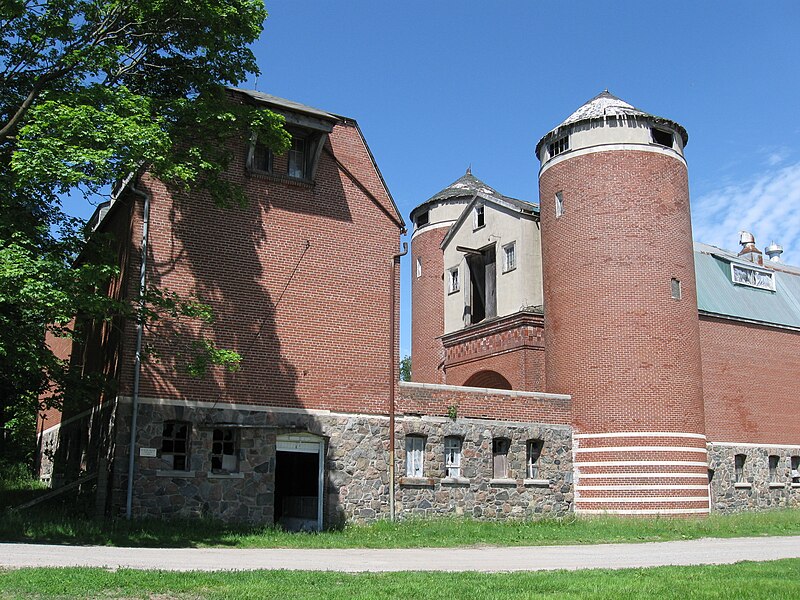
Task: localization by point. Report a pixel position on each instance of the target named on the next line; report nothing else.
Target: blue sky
(439, 85)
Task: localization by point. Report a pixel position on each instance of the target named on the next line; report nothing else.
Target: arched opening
(488, 379)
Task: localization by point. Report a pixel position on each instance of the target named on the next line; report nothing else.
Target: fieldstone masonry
(756, 490)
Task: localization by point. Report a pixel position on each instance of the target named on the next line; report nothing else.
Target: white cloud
(767, 205)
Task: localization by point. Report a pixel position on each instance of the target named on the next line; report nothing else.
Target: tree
(90, 91)
(405, 368)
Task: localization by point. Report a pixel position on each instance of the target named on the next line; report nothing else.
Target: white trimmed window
(415, 451)
(509, 257)
(297, 158)
(533, 450)
(500, 448)
(453, 282)
(559, 204)
(452, 456)
(558, 146)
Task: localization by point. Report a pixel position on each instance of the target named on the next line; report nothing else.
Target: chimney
(749, 250)
(774, 252)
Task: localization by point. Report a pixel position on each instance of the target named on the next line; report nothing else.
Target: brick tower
(621, 322)
(431, 221)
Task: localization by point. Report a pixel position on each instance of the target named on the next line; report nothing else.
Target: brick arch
(488, 379)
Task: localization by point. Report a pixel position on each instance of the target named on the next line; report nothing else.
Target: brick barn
(576, 354)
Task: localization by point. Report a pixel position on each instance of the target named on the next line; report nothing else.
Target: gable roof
(717, 295)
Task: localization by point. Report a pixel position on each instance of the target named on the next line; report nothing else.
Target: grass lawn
(773, 580)
(55, 525)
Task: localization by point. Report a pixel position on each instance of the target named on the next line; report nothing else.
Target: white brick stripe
(589, 436)
(750, 445)
(641, 487)
(642, 475)
(642, 463)
(644, 511)
(642, 500)
(642, 449)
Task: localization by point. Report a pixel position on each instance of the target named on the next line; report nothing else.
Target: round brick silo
(621, 322)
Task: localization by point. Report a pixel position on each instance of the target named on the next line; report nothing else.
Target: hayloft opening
(662, 137)
(483, 285)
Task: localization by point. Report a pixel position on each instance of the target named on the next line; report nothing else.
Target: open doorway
(299, 472)
(482, 285)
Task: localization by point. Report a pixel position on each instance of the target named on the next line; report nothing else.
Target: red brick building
(678, 364)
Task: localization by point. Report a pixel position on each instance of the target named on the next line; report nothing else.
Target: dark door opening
(483, 289)
(297, 490)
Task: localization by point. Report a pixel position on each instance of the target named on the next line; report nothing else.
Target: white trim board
(618, 434)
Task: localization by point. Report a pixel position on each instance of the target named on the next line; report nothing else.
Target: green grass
(748, 580)
(55, 525)
(17, 485)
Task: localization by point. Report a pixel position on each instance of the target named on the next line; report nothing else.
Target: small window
(262, 159)
(773, 468)
(422, 218)
(415, 449)
(175, 445)
(738, 463)
(419, 267)
(453, 283)
(533, 452)
(225, 450)
(662, 137)
(500, 458)
(452, 456)
(676, 288)
(559, 204)
(509, 257)
(557, 147)
(795, 474)
(480, 216)
(753, 277)
(297, 158)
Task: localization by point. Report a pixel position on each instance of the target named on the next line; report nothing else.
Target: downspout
(392, 375)
(137, 361)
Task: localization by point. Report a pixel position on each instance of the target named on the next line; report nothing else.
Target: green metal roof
(718, 295)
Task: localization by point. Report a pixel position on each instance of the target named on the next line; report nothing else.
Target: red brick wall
(316, 340)
(750, 377)
(509, 406)
(615, 339)
(511, 346)
(427, 307)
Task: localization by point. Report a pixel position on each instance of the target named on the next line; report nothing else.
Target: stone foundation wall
(757, 489)
(356, 478)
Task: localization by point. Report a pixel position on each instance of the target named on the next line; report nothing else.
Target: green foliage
(91, 91)
(405, 368)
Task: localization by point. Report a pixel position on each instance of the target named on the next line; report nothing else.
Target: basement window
(662, 137)
(415, 450)
(676, 288)
(738, 468)
(452, 456)
(225, 450)
(795, 474)
(500, 448)
(533, 450)
(773, 468)
(558, 146)
(757, 278)
(175, 445)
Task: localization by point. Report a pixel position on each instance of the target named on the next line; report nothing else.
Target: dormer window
(262, 159)
(297, 158)
(752, 277)
(662, 137)
(558, 146)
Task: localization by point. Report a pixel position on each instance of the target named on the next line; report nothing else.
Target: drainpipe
(137, 361)
(392, 372)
